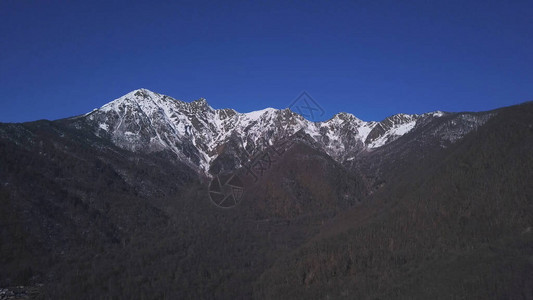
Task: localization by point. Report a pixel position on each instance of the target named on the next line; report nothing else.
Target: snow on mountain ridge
(146, 121)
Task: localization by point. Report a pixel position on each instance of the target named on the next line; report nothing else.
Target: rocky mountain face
(197, 134)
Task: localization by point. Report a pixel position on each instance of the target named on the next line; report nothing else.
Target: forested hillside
(455, 224)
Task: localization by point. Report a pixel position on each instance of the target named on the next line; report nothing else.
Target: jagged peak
(401, 117)
(142, 93)
(344, 116)
(436, 113)
(136, 94)
(201, 101)
(200, 104)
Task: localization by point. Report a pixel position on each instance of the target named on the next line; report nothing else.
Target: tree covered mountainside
(442, 211)
(456, 223)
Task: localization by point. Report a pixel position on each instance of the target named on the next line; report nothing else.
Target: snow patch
(255, 115)
(391, 135)
(103, 126)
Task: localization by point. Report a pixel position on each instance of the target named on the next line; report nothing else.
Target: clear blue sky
(370, 58)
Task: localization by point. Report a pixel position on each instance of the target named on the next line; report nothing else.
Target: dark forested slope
(456, 223)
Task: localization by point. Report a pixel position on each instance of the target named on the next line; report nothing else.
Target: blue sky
(369, 58)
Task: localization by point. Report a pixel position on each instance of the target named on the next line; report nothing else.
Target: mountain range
(197, 134)
(118, 203)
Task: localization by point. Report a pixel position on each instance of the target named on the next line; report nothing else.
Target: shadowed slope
(455, 224)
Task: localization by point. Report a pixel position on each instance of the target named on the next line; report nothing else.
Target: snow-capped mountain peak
(146, 121)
